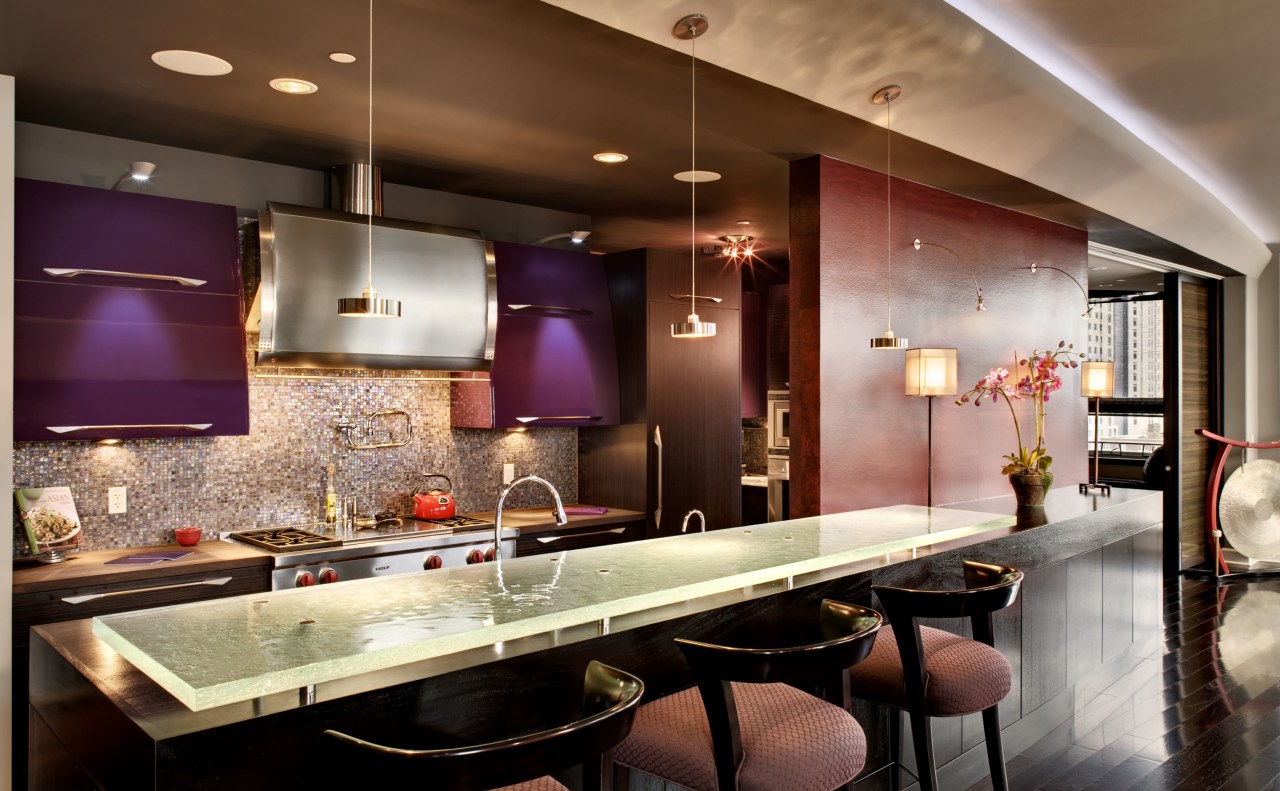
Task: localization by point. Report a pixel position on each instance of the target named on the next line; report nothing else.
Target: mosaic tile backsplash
(276, 474)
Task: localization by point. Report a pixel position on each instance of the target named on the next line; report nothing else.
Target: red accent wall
(857, 440)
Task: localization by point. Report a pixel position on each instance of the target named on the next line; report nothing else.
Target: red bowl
(187, 536)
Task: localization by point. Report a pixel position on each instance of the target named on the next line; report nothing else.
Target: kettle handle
(418, 489)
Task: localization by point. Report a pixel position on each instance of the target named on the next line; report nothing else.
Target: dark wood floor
(1200, 711)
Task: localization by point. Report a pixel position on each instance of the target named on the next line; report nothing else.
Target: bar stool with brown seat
(521, 762)
(743, 726)
(932, 673)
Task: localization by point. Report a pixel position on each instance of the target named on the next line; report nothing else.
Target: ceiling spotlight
(744, 222)
(610, 157)
(293, 85)
(342, 57)
(138, 172)
(697, 176)
(738, 247)
(187, 62)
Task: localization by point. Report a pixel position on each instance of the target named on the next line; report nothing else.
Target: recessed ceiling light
(610, 157)
(342, 57)
(1105, 285)
(744, 222)
(293, 85)
(1120, 280)
(697, 176)
(187, 62)
(1096, 268)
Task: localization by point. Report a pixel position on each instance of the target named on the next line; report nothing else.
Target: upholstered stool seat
(747, 725)
(790, 739)
(964, 675)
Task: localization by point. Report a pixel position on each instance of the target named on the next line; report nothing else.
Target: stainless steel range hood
(444, 277)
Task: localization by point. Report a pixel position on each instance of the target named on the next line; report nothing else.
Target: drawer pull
(190, 282)
(615, 531)
(551, 309)
(188, 426)
(109, 594)
(683, 297)
(560, 417)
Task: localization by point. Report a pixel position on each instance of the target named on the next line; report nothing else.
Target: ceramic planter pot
(1029, 489)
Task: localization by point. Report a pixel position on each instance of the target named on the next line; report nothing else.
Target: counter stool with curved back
(932, 673)
(744, 727)
(521, 762)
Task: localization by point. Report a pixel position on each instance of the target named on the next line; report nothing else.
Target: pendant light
(885, 96)
(368, 305)
(688, 29)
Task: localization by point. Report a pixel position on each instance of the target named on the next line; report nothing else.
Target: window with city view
(1131, 334)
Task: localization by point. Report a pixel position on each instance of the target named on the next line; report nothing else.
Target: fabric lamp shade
(931, 372)
(1097, 379)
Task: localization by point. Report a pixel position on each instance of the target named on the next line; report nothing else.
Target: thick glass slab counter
(224, 651)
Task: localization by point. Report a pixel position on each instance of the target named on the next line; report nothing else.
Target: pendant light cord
(888, 128)
(368, 189)
(693, 170)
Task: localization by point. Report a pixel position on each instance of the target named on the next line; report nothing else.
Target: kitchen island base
(1091, 598)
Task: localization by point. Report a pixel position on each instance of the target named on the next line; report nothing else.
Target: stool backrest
(610, 697)
(988, 587)
(844, 635)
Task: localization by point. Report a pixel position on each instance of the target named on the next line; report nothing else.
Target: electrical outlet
(508, 473)
(117, 500)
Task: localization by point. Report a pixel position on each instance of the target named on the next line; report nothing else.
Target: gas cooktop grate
(286, 539)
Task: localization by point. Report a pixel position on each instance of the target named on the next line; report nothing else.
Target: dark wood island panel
(1090, 601)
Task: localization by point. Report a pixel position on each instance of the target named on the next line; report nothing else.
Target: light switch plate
(508, 473)
(117, 500)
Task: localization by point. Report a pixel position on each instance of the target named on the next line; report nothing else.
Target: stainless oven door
(780, 424)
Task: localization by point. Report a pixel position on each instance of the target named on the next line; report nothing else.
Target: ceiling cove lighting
(293, 85)
(688, 29)
(885, 96)
(185, 61)
(610, 157)
(368, 305)
(138, 173)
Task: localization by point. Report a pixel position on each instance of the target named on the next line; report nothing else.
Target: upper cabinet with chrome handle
(554, 360)
(127, 316)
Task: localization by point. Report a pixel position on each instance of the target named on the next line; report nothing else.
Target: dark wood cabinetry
(128, 316)
(569, 537)
(678, 446)
(553, 362)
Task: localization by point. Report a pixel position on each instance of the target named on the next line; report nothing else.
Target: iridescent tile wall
(276, 474)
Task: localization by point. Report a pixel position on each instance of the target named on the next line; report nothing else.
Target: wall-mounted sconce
(576, 238)
(138, 173)
(977, 288)
(1088, 308)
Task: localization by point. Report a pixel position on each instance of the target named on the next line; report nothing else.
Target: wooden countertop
(539, 520)
(88, 568)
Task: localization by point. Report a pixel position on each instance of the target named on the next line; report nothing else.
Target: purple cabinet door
(168, 363)
(70, 228)
(554, 362)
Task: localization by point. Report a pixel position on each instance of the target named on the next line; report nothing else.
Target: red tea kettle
(433, 503)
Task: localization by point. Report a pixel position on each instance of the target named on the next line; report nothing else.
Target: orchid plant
(1042, 378)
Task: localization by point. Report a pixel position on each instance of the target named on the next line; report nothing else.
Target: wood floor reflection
(1200, 711)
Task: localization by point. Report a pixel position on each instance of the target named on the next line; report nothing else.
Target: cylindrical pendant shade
(1097, 379)
(693, 328)
(931, 372)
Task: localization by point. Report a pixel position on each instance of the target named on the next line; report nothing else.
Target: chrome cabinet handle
(657, 512)
(553, 309)
(109, 594)
(616, 531)
(182, 281)
(560, 417)
(699, 296)
(188, 426)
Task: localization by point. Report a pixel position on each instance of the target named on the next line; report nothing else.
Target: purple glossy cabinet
(139, 329)
(554, 362)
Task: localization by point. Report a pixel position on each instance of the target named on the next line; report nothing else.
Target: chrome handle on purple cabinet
(190, 282)
(657, 512)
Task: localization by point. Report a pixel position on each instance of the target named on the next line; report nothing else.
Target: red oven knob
(327, 576)
(305, 579)
(432, 562)
(475, 556)
(488, 554)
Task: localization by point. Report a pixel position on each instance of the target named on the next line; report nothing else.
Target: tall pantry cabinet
(678, 444)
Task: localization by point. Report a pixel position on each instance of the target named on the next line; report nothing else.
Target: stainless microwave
(779, 423)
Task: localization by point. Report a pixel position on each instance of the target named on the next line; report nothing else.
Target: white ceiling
(1164, 115)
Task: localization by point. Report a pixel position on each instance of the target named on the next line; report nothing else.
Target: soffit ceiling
(508, 99)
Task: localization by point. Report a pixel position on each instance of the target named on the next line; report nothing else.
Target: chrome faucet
(702, 520)
(557, 511)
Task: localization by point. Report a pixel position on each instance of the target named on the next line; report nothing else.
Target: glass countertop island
(214, 653)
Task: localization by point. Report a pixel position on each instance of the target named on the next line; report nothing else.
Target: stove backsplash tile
(276, 474)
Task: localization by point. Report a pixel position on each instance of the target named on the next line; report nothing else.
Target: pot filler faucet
(702, 520)
(557, 511)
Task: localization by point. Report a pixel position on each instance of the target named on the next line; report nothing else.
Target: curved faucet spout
(558, 511)
(702, 520)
